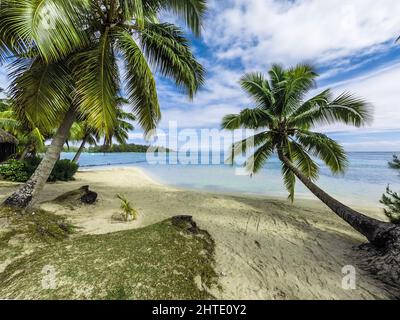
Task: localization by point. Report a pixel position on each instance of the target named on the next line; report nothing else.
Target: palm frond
(277, 83)
(299, 116)
(141, 86)
(289, 179)
(258, 88)
(255, 163)
(249, 119)
(51, 26)
(97, 84)
(324, 148)
(40, 92)
(303, 161)
(169, 51)
(8, 121)
(37, 139)
(191, 11)
(244, 145)
(299, 81)
(346, 109)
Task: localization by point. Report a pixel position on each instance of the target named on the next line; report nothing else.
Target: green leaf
(258, 88)
(191, 11)
(40, 92)
(249, 119)
(53, 27)
(141, 86)
(97, 83)
(169, 51)
(324, 148)
(303, 161)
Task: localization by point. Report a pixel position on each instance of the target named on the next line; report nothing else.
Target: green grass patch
(35, 225)
(160, 261)
(20, 230)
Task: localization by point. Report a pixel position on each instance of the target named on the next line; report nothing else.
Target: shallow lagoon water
(363, 183)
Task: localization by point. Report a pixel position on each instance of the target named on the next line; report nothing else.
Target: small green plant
(127, 210)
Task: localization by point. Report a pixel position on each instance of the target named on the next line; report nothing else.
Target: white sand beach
(265, 248)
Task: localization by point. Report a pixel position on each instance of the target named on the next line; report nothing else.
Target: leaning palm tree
(123, 126)
(82, 132)
(65, 64)
(284, 119)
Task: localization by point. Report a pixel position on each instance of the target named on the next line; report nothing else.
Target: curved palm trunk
(80, 150)
(25, 153)
(26, 195)
(374, 230)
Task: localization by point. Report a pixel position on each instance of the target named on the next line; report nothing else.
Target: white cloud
(381, 89)
(259, 32)
(224, 96)
(382, 145)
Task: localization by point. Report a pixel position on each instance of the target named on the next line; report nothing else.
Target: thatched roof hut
(8, 144)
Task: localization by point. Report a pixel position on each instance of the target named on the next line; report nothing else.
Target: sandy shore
(265, 248)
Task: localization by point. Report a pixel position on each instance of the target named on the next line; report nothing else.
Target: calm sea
(363, 183)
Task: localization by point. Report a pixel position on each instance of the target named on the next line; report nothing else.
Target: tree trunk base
(384, 261)
(21, 198)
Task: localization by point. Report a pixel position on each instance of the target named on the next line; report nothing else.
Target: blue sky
(350, 42)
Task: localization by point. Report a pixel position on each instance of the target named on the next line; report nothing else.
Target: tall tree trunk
(24, 153)
(27, 195)
(80, 150)
(374, 230)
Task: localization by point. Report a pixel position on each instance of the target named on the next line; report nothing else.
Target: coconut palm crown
(284, 117)
(72, 59)
(84, 52)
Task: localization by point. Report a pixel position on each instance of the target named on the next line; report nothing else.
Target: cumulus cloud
(381, 89)
(259, 32)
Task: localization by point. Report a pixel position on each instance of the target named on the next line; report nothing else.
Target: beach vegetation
(66, 66)
(128, 147)
(21, 171)
(160, 261)
(283, 117)
(30, 137)
(392, 199)
(85, 133)
(128, 212)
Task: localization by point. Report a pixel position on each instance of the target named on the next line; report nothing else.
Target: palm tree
(124, 125)
(283, 120)
(82, 131)
(65, 64)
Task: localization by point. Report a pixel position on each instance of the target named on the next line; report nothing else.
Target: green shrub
(64, 170)
(15, 171)
(392, 199)
(21, 171)
(392, 202)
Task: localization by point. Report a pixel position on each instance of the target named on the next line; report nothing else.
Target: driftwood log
(79, 196)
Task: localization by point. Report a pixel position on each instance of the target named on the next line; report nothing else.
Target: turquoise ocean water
(363, 183)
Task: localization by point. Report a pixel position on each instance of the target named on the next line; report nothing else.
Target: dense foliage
(392, 199)
(21, 171)
(117, 148)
